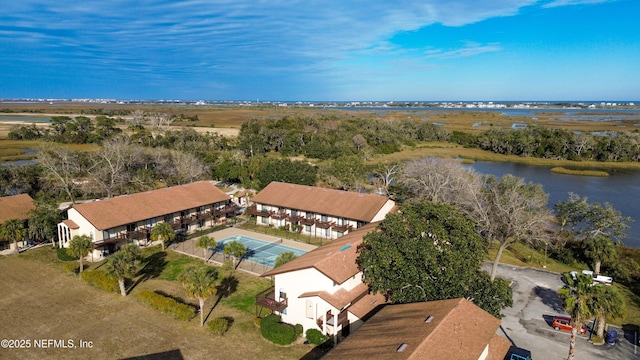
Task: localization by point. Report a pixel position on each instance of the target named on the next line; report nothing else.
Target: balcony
(227, 209)
(188, 219)
(204, 216)
(115, 239)
(324, 224)
(342, 228)
(252, 210)
(307, 221)
(138, 234)
(279, 216)
(295, 219)
(331, 319)
(267, 299)
(176, 224)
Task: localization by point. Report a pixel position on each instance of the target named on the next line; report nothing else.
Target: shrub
(220, 325)
(101, 280)
(299, 329)
(168, 305)
(71, 268)
(276, 332)
(316, 337)
(64, 256)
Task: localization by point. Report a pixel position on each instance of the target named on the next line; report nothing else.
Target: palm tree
(13, 230)
(600, 249)
(205, 242)
(577, 296)
(236, 249)
(606, 302)
(80, 246)
(122, 265)
(163, 232)
(284, 258)
(200, 282)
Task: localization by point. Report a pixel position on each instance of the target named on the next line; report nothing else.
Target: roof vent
(428, 319)
(401, 347)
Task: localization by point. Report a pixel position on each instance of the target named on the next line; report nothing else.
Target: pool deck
(189, 248)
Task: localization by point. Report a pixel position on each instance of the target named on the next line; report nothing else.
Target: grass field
(40, 301)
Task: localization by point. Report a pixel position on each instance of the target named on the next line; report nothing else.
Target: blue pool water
(259, 251)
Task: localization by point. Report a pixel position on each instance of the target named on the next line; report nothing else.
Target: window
(307, 228)
(283, 294)
(264, 219)
(324, 218)
(294, 212)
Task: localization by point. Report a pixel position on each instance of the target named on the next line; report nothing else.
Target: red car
(564, 323)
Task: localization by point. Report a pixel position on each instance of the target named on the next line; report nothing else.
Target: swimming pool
(259, 251)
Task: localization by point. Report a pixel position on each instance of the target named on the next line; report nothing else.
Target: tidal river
(621, 190)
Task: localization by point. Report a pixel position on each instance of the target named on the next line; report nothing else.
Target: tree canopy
(428, 251)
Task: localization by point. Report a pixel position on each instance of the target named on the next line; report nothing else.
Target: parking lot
(527, 323)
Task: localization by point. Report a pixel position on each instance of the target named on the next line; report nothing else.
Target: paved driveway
(527, 323)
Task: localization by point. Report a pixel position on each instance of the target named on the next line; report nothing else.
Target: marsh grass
(562, 170)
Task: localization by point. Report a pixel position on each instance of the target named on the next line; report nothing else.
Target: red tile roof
(458, 330)
(346, 204)
(15, 207)
(336, 260)
(70, 224)
(121, 210)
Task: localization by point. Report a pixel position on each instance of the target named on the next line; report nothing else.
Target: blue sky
(426, 50)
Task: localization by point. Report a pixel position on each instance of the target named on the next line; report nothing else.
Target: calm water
(621, 190)
(24, 118)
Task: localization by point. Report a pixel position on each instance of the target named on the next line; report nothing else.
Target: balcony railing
(307, 221)
(343, 228)
(324, 224)
(342, 319)
(204, 216)
(252, 210)
(267, 299)
(189, 219)
(279, 216)
(227, 209)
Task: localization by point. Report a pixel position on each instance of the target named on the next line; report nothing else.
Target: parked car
(516, 353)
(564, 323)
(597, 279)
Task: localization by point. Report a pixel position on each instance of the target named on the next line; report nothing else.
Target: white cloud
(557, 3)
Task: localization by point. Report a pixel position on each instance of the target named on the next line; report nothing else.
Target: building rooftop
(443, 329)
(345, 204)
(125, 209)
(15, 207)
(336, 260)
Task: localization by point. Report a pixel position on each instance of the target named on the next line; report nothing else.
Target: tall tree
(236, 250)
(606, 302)
(507, 211)
(111, 165)
(600, 249)
(162, 232)
(43, 222)
(599, 226)
(62, 168)
(440, 180)
(577, 295)
(80, 246)
(205, 242)
(122, 265)
(13, 230)
(429, 251)
(199, 282)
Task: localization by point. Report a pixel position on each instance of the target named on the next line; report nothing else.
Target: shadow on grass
(227, 286)
(153, 266)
